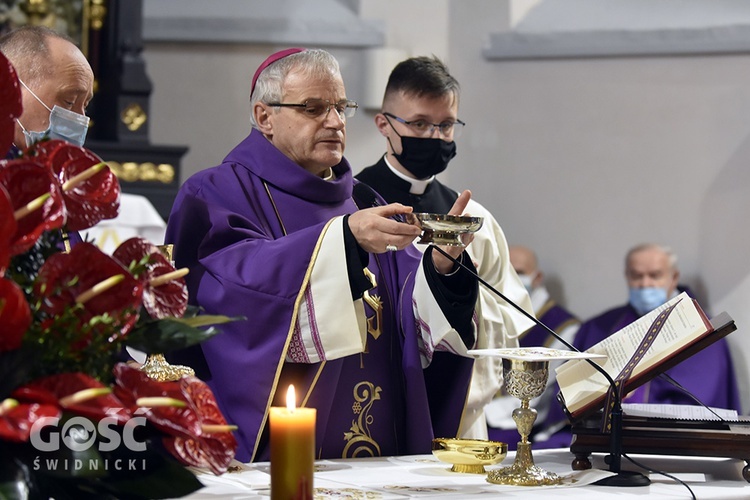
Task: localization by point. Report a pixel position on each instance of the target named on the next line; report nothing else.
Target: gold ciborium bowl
(469, 455)
(443, 229)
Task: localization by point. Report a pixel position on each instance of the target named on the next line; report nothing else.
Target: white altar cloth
(137, 217)
(423, 477)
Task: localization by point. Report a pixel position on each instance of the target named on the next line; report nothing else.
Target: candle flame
(290, 398)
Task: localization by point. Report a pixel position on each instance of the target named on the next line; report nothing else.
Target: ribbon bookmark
(643, 347)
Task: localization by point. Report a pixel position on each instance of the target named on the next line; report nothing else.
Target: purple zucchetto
(272, 59)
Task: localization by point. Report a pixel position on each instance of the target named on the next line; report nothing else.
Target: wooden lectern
(663, 436)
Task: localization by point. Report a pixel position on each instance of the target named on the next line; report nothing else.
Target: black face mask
(425, 156)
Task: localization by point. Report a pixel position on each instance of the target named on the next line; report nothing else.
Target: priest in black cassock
(419, 120)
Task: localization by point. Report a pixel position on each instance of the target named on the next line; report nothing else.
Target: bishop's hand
(376, 231)
(443, 265)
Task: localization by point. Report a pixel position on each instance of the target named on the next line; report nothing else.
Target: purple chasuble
(247, 230)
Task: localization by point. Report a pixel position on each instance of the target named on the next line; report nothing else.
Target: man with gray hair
(336, 300)
(57, 84)
(652, 277)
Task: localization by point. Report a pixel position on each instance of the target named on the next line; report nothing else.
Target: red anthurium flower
(161, 300)
(17, 419)
(41, 151)
(66, 279)
(77, 393)
(169, 412)
(10, 104)
(7, 228)
(216, 446)
(91, 200)
(185, 409)
(15, 316)
(25, 182)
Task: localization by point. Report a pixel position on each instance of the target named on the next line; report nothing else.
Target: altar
(423, 476)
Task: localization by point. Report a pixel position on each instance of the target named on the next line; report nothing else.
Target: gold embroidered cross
(373, 323)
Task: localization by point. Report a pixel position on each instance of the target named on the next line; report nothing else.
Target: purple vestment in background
(247, 230)
(709, 374)
(554, 316)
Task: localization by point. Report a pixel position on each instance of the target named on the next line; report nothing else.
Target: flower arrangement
(75, 421)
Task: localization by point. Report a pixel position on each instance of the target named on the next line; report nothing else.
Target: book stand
(663, 436)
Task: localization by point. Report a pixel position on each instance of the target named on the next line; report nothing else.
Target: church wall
(578, 157)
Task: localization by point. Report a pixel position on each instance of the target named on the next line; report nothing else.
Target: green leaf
(13, 490)
(208, 319)
(14, 475)
(192, 311)
(64, 462)
(165, 479)
(173, 333)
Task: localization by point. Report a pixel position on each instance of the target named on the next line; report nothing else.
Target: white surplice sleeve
(328, 325)
(500, 324)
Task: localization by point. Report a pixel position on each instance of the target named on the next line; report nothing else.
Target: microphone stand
(621, 477)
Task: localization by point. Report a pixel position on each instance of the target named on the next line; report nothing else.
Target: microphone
(365, 194)
(621, 478)
(369, 198)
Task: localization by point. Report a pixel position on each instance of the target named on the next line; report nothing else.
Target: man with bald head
(525, 263)
(57, 84)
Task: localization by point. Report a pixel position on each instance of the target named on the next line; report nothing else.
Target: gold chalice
(469, 455)
(444, 229)
(158, 368)
(524, 380)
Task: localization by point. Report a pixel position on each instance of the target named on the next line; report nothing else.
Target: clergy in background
(502, 427)
(652, 276)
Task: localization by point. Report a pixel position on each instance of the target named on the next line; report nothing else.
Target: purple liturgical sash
(552, 315)
(249, 231)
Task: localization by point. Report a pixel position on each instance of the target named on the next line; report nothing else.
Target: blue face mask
(647, 299)
(527, 281)
(64, 124)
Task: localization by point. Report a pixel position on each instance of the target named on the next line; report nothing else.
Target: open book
(583, 388)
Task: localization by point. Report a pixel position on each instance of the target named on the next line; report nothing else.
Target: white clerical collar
(418, 186)
(329, 175)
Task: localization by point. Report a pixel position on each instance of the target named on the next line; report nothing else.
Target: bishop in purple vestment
(375, 340)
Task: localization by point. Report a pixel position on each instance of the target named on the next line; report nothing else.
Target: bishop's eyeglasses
(424, 128)
(319, 107)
